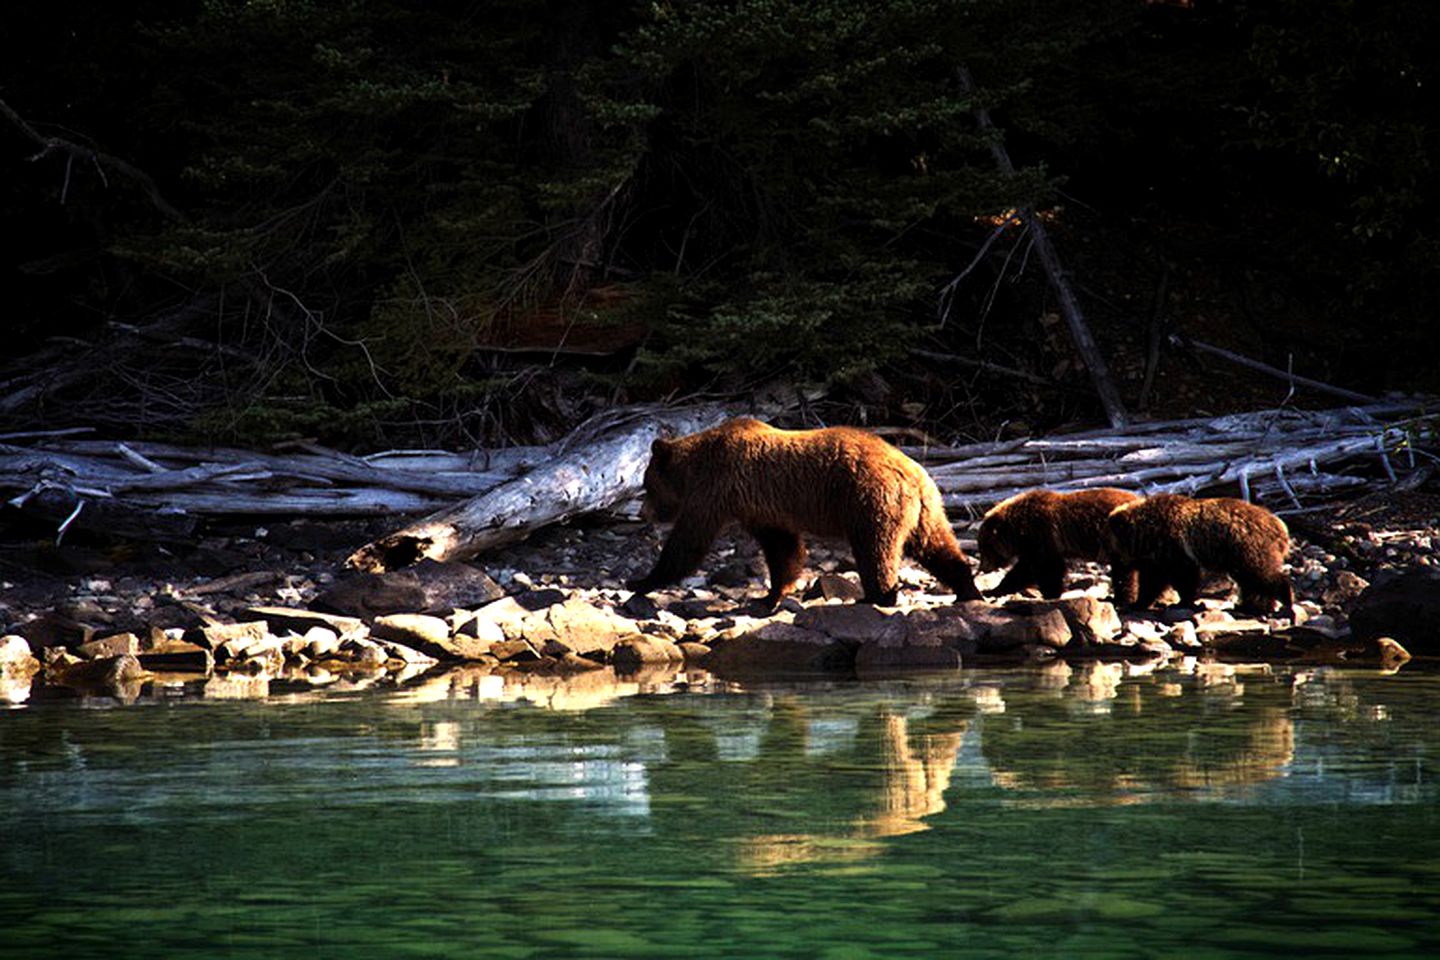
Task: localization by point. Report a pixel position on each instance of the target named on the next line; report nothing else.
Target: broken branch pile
(483, 499)
(1269, 454)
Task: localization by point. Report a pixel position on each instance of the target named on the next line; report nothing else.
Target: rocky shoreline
(248, 613)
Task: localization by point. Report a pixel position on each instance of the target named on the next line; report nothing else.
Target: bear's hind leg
(784, 557)
(1017, 579)
(878, 560)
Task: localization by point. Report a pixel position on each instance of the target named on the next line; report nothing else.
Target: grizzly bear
(1040, 529)
(780, 484)
(1170, 537)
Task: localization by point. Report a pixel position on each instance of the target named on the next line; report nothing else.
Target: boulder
(515, 651)
(16, 657)
(629, 655)
(878, 658)
(856, 622)
(1046, 628)
(955, 626)
(111, 671)
(215, 635)
(431, 636)
(112, 646)
(696, 653)
(584, 627)
(780, 648)
(1405, 607)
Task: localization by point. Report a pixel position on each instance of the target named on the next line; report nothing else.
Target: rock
(413, 628)
(780, 648)
(836, 586)
(696, 653)
(587, 629)
(1182, 635)
(366, 652)
(539, 599)
(321, 642)
(1403, 606)
(519, 651)
(853, 622)
(178, 657)
(16, 657)
(370, 595)
(954, 625)
(112, 646)
(54, 630)
(1345, 586)
(430, 586)
(110, 671)
(640, 607)
(631, 654)
(254, 656)
(700, 608)
(1091, 620)
(506, 615)
(1047, 628)
(1206, 627)
(300, 620)
(1389, 651)
(432, 637)
(406, 654)
(872, 658)
(215, 635)
(556, 649)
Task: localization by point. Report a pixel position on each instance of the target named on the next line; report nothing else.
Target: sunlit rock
(16, 657)
(630, 655)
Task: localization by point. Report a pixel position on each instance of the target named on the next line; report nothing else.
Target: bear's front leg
(684, 549)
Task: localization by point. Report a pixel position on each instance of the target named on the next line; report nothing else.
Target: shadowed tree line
(400, 222)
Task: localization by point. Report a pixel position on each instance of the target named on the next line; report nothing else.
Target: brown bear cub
(780, 484)
(1171, 537)
(1040, 529)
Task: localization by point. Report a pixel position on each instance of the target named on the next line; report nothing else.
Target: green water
(992, 814)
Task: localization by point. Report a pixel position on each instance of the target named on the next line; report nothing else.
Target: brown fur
(780, 484)
(1172, 537)
(1039, 530)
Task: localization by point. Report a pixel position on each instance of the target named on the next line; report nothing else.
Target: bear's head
(1120, 542)
(664, 483)
(994, 541)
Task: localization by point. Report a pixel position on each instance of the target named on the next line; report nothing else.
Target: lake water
(1022, 813)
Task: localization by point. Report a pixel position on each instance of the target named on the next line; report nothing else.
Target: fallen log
(591, 476)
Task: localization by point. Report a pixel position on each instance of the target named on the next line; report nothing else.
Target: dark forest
(390, 222)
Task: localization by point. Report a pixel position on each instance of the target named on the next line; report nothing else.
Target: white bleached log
(589, 477)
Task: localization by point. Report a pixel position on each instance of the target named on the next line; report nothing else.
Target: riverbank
(247, 608)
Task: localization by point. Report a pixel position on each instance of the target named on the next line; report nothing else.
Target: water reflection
(1011, 812)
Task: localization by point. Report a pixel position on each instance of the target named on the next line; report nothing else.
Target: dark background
(387, 223)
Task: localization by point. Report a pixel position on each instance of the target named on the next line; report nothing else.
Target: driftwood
(482, 499)
(1270, 454)
(589, 477)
